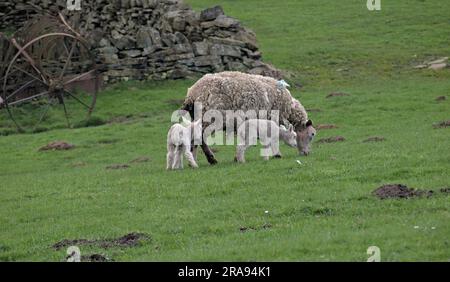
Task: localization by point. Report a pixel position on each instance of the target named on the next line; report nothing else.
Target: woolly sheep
(240, 91)
(253, 129)
(179, 140)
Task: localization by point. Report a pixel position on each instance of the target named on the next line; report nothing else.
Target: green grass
(322, 210)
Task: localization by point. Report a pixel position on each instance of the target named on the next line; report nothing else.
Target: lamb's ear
(186, 121)
(309, 123)
(198, 122)
(291, 127)
(283, 127)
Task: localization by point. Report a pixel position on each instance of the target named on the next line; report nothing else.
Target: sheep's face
(305, 137)
(288, 135)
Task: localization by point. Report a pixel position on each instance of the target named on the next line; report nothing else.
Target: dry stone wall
(154, 39)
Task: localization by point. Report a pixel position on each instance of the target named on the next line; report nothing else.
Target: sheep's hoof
(212, 161)
(277, 156)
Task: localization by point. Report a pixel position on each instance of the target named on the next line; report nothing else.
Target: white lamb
(179, 141)
(268, 133)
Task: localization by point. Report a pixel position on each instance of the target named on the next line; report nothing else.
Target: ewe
(240, 91)
(179, 141)
(268, 133)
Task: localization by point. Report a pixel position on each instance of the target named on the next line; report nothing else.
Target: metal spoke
(79, 76)
(29, 74)
(28, 98)
(43, 115)
(20, 88)
(77, 99)
(65, 111)
(69, 58)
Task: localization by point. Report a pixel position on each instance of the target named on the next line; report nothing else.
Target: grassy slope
(321, 210)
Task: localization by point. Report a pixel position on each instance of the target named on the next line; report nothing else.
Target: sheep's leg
(209, 154)
(190, 157)
(170, 156)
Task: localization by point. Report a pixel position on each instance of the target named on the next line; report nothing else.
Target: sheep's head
(288, 135)
(305, 135)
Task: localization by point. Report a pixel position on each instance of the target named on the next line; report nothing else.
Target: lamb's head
(288, 135)
(305, 135)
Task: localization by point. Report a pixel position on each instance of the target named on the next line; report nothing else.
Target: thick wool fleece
(240, 91)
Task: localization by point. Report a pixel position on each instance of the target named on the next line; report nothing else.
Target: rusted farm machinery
(43, 66)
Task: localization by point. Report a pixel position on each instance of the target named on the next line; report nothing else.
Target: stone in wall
(155, 39)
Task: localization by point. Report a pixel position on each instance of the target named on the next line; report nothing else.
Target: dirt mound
(95, 258)
(128, 240)
(442, 124)
(445, 190)
(57, 145)
(337, 94)
(399, 191)
(142, 159)
(325, 126)
(264, 226)
(331, 139)
(375, 139)
(118, 166)
(441, 98)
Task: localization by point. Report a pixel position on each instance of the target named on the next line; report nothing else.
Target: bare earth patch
(128, 240)
(142, 159)
(442, 124)
(325, 126)
(121, 119)
(118, 166)
(57, 145)
(399, 191)
(337, 94)
(332, 139)
(264, 226)
(375, 139)
(95, 258)
(445, 190)
(441, 98)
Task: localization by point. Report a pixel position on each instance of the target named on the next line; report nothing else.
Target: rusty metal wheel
(43, 78)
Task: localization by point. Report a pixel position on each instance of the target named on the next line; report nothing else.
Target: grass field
(321, 210)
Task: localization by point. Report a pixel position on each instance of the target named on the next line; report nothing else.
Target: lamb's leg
(170, 155)
(180, 152)
(276, 150)
(240, 153)
(176, 160)
(266, 152)
(190, 157)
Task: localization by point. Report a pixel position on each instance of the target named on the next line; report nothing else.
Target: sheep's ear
(283, 127)
(309, 123)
